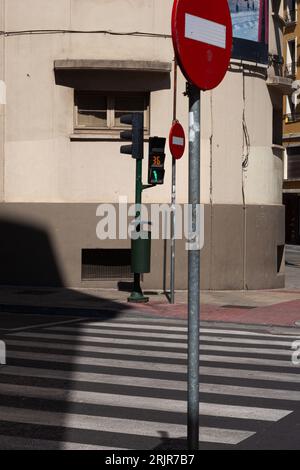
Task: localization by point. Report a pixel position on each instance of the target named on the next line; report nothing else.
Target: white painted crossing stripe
(116, 425)
(246, 333)
(139, 326)
(96, 339)
(75, 376)
(143, 403)
(167, 336)
(178, 141)
(160, 328)
(248, 360)
(97, 349)
(224, 436)
(154, 366)
(141, 319)
(95, 378)
(250, 374)
(242, 350)
(202, 30)
(22, 443)
(159, 344)
(243, 341)
(146, 352)
(131, 364)
(242, 412)
(269, 393)
(44, 325)
(72, 360)
(100, 332)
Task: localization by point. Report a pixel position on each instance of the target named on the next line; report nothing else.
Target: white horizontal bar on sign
(178, 141)
(202, 30)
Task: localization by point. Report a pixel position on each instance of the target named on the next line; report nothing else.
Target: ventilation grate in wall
(106, 264)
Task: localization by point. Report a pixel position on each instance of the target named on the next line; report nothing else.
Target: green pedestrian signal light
(156, 168)
(135, 135)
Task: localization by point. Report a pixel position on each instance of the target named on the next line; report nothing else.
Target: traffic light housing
(156, 170)
(136, 135)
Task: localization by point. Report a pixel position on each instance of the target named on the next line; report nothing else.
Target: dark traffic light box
(157, 156)
(135, 135)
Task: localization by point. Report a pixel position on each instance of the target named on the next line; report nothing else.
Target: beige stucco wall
(2, 102)
(43, 165)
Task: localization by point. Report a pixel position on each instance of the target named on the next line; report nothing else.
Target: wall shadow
(113, 80)
(49, 371)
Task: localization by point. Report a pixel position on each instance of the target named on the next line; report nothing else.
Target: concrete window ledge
(117, 65)
(113, 75)
(105, 137)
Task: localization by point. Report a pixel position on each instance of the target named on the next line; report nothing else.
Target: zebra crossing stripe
(247, 360)
(137, 339)
(122, 338)
(140, 325)
(137, 326)
(95, 361)
(148, 352)
(250, 374)
(145, 382)
(167, 336)
(242, 350)
(119, 332)
(223, 436)
(21, 443)
(218, 339)
(148, 365)
(94, 377)
(110, 340)
(116, 351)
(115, 425)
(144, 403)
(253, 392)
(246, 333)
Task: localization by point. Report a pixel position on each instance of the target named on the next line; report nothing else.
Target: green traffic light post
(141, 243)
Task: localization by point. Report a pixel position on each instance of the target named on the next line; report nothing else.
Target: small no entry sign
(202, 39)
(177, 140)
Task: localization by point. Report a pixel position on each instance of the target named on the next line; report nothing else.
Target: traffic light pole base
(137, 295)
(138, 298)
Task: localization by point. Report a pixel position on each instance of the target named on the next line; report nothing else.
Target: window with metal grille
(106, 264)
(97, 111)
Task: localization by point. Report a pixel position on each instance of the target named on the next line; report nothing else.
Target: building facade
(291, 124)
(71, 69)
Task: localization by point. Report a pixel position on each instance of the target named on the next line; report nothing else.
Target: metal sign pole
(173, 201)
(173, 225)
(193, 270)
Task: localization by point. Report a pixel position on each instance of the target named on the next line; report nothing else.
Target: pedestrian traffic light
(156, 171)
(136, 135)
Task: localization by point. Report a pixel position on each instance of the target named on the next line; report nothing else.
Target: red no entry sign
(177, 140)
(202, 38)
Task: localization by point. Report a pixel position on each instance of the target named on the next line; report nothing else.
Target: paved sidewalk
(277, 307)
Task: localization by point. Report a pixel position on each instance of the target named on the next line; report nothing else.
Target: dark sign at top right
(250, 27)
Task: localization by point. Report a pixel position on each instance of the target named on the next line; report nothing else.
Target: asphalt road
(120, 383)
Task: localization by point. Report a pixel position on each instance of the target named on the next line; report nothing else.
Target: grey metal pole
(173, 201)
(193, 271)
(173, 225)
